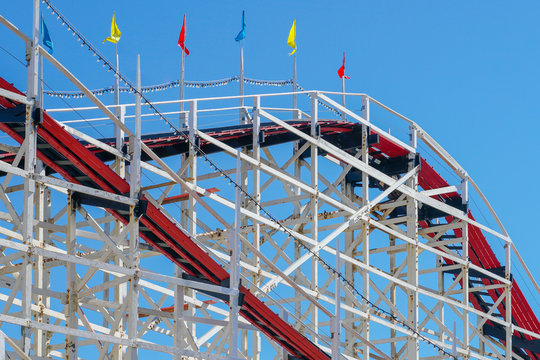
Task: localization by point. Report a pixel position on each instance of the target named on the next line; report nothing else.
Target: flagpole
(182, 83)
(117, 132)
(116, 78)
(242, 81)
(40, 84)
(343, 116)
(294, 103)
(40, 60)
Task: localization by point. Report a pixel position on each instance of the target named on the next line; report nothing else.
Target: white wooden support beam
(439, 191)
(15, 97)
(508, 302)
(3, 346)
(336, 319)
(234, 247)
(179, 314)
(71, 277)
(412, 259)
(30, 161)
(364, 229)
(314, 206)
(15, 30)
(193, 200)
(256, 189)
(465, 337)
(134, 190)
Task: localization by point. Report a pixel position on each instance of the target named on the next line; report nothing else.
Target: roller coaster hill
(245, 230)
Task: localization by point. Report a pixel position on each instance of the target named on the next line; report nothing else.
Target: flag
(46, 37)
(341, 70)
(292, 37)
(182, 37)
(242, 34)
(115, 32)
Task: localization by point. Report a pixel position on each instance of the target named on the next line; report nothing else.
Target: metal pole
(242, 117)
(294, 99)
(118, 133)
(116, 79)
(343, 116)
(182, 117)
(40, 85)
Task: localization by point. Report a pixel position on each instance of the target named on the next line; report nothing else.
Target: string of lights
(169, 85)
(324, 105)
(107, 64)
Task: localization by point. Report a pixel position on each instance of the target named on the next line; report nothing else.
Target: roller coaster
(293, 233)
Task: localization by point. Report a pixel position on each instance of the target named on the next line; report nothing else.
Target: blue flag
(242, 34)
(46, 38)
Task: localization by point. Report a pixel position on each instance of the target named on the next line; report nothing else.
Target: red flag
(182, 37)
(341, 71)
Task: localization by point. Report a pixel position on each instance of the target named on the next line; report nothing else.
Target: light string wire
(323, 104)
(172, 84)
(189, 84)
(182, 134)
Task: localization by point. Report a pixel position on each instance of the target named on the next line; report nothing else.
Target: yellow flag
(292, 37)
(115, 32)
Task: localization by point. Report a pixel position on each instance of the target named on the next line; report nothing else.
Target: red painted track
(167, 238)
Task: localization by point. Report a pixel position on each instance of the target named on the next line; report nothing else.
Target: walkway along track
(85, 165)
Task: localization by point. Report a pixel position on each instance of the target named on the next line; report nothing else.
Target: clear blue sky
(466, 71)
